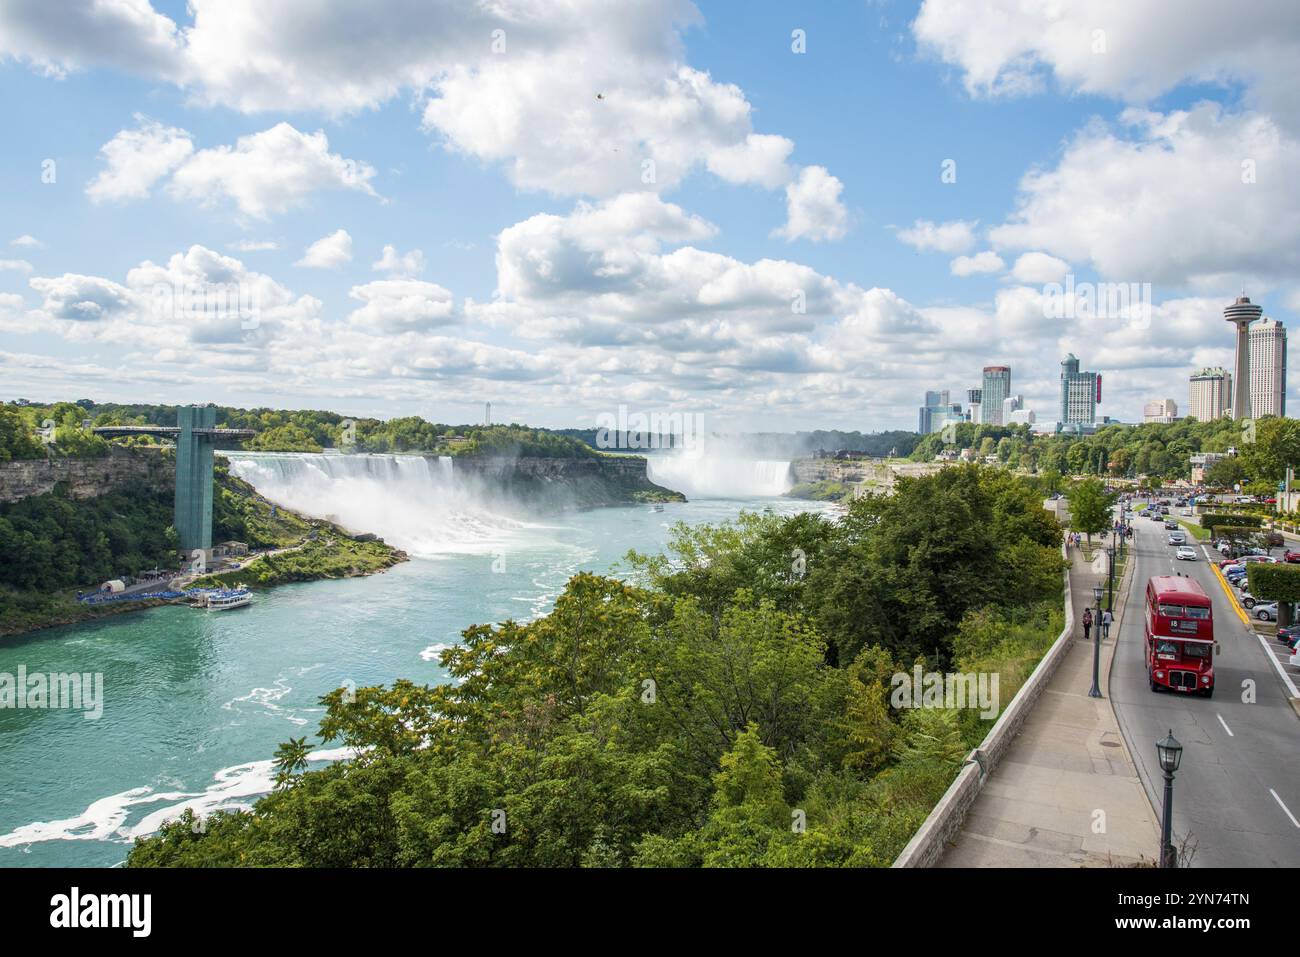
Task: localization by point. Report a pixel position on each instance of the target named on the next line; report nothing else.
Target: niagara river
(195, 703)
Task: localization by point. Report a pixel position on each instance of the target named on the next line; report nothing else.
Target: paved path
(1067, 794)
(1238, 791)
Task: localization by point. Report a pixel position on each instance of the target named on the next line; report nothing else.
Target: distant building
(974, 400)
(1010, 405)
(1080, 393)
(1267, 368)
(925, 414)
(937, 412)
(1162, 410)
(1202, 461)
(1022, 417)
(997, 386)
(1210, 394)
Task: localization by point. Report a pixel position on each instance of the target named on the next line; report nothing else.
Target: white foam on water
(433, 651)
(106, 818)
(266, 698)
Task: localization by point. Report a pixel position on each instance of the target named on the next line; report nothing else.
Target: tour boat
(228, 599)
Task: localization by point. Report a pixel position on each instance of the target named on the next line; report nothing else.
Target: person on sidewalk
(1087, 622)
(1106, 619)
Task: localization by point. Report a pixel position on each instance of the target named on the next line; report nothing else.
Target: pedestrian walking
(1106, 619)
(1087, 622)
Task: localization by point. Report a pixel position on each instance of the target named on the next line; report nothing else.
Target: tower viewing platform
(1242, 313)
(196, 433)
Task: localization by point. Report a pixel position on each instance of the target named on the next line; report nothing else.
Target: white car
(1186, 553)
(1177, 538)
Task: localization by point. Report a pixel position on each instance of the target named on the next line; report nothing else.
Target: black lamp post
(1110, 588)
(1171, 755)
(1095, 691)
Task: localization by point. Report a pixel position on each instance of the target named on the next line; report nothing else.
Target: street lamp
(1110, 593)
(1171, 755)
(1095, 692)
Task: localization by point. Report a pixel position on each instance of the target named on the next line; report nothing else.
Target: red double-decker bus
(1180, 635)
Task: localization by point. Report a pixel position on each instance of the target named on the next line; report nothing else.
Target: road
(1238, 790)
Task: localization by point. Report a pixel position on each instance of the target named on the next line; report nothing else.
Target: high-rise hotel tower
(1267, 368)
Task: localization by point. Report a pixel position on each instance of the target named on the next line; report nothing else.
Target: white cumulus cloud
(328, 252)
(813, 207)
(955, 236)
(269, 172)
(982, 262)
(136, 159)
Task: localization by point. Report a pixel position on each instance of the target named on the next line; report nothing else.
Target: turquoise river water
(196, 702)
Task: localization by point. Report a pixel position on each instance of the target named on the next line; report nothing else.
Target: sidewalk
(1067, 794)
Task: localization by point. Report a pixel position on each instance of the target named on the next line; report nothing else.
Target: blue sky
(555, 281)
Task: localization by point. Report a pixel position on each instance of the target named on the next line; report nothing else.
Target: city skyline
(670, 219)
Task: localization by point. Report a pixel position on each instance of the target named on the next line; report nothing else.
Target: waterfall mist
(413, 502)
(719, 469)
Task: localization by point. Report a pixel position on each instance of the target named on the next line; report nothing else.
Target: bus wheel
(1154, 686)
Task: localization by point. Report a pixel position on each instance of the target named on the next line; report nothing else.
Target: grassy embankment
(823, 490)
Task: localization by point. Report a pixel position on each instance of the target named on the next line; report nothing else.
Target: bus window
(1191, 650)
(1171, 611)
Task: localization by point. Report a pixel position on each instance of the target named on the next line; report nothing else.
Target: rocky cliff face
(87, 478)
(848, 472)
(566, 482)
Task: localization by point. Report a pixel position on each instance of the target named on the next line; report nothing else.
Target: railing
(927, 845)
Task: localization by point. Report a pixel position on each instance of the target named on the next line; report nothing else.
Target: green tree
(1226, 472)
(1091, 506)
(1274, 447)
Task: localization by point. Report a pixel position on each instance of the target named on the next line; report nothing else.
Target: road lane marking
(1225, 725)
(1284, 807)
(1277, 665)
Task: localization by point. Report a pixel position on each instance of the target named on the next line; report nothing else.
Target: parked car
(1186, 553)
(1290, 556)
(1248, 601)
(1266, 611)
(1289, 635)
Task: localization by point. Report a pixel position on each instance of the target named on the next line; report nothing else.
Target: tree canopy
(726, 705)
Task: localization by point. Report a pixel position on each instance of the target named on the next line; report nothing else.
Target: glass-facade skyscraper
(997, 387)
